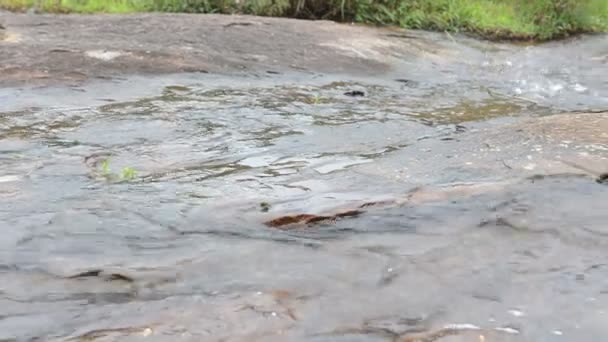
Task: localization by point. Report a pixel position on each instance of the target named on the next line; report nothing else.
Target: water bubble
(465, 326)
(507, 330)
(147, 332)
(516, 313)
(579, 88)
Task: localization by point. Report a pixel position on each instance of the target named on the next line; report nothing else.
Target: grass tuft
(127, 174)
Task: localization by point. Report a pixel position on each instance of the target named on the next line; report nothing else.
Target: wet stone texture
(455, 195)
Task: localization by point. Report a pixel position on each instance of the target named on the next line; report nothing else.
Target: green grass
(105, 167)
(126, 174)
(501, 19)
(73, 6)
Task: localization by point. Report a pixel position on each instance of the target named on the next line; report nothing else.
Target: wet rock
(377, 204)
(427, 336)
(101, 274)
(415, 196)
(274, 304)
(355, 93)
(112, 332)
(415, 330)
(243, 23)
(207, 139)
(603, 178)
(399, 325)
(213, 43)
(407, 82)
(264, 207)
(288, 221)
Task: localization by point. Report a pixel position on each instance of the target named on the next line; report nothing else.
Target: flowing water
(135, 210)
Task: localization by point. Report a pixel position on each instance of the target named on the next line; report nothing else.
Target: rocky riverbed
(233, 178)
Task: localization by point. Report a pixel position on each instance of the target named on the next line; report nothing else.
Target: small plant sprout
(105, 167)
(128, 173)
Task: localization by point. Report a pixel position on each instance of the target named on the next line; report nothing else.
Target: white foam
(103, 55)
(465, 326)
(9, 178)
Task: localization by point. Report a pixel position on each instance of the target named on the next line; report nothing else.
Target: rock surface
(50, 48)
